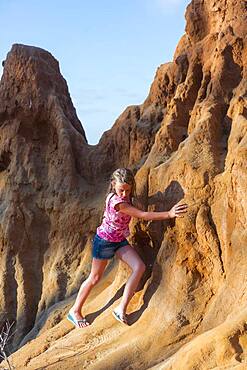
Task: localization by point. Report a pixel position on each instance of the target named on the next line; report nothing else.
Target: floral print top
(115, 224)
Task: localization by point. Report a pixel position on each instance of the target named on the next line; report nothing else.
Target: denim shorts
(103, 249)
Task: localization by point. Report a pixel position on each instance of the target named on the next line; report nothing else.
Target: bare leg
(128, 255)
(97, 269)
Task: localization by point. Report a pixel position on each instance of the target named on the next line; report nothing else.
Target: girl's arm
(175, 211)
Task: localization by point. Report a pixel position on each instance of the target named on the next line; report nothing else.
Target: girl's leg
(128, 255)
(97, 269)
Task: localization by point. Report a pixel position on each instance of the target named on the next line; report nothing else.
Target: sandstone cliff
(187, 141)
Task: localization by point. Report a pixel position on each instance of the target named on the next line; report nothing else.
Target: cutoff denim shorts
(103, 249)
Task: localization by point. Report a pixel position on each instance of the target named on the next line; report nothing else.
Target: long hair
(123, 176)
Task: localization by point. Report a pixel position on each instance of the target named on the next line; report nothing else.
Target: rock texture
(188, 142)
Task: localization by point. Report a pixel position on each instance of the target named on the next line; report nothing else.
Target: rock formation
(188, 142)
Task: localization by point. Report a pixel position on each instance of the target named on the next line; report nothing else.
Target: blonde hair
(123, 176)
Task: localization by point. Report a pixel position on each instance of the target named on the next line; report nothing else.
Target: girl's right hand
(178, 210)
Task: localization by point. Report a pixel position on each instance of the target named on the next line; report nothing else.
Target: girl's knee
(94, 279)
(141, 267)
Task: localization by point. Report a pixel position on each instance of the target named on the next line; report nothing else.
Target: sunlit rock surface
(187, 142)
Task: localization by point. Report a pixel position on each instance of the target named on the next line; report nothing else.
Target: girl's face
(123, 190)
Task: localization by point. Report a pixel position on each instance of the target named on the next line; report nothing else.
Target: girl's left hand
(178, 210)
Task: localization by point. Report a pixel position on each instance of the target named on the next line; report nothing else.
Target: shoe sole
(70, 318)
(118, 319)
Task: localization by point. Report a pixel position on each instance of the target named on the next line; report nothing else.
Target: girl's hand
(178, 210)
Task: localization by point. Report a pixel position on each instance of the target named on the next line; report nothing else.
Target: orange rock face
(187, 142)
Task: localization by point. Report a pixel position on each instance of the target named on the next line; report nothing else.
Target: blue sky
(108, 50)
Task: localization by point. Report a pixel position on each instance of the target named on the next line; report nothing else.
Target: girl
(110, 240)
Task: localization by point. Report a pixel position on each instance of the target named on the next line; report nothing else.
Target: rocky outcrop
(52, 183)
(187, 142)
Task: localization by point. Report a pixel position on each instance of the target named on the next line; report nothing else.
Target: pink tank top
(115, 224)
